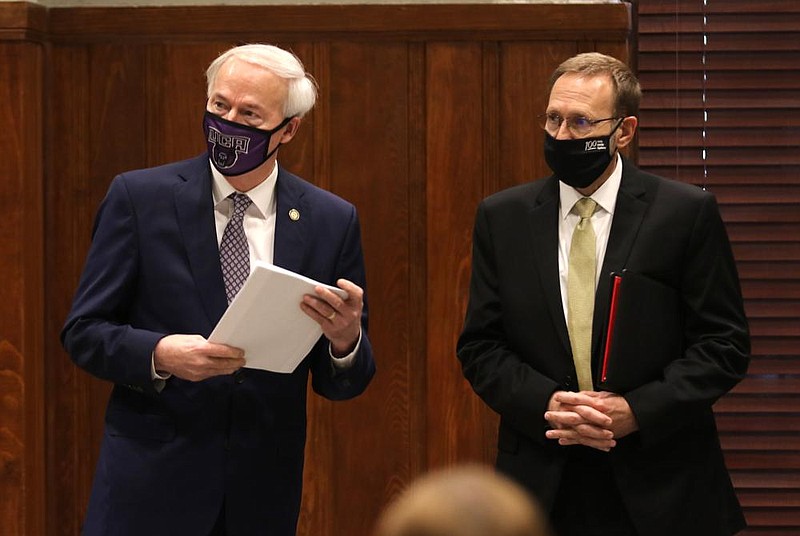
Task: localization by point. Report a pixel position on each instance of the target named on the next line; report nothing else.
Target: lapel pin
(294, 214)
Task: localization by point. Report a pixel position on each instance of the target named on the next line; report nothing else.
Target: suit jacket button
(568, 381)
(238, 376)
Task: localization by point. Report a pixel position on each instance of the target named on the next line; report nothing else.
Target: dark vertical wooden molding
(492, 155)
(157, 108)
(318, 514)
(322, 116)
(492, 150)
(417, 247)
(33, 216)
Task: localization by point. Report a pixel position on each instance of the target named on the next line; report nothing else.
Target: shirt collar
(263, 195)
(605, 196)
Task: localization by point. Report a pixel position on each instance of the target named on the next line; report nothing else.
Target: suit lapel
(194, 206)
(292, 221)
(632, 204)
(543, 228)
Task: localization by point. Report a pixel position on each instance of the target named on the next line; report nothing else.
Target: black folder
(644, 332)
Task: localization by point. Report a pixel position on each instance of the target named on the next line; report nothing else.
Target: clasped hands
(590, 418)
(193, 358)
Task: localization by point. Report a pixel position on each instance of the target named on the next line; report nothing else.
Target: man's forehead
(575, 93)
(249, 84)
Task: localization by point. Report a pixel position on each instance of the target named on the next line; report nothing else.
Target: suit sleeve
(327, 380)
(507, 384)
(716, 336)
(96, 333)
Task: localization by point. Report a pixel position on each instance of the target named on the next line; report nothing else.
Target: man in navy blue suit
(196, 443)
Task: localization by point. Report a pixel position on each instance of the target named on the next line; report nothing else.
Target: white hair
(302, 88)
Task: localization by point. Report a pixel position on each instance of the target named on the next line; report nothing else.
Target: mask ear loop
(272, 133)
(610, 134)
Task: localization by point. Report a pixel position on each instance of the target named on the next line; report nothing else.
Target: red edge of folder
(612, 315)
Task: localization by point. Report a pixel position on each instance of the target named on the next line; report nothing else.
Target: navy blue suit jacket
(168, 458)
(515, 350)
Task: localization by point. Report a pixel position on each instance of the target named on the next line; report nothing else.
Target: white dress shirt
(259, 218)
(606, 199)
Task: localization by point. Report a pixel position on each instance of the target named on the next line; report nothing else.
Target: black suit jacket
(515, 349)
(168, 458)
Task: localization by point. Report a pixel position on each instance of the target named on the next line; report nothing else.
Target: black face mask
(578, 163)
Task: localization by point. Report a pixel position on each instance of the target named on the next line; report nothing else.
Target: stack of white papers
(265, 319)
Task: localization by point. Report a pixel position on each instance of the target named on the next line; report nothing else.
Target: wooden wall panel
(22, 403)
(368, 136)
(72, 435)
(12, 366)
(455, 148)
(423, 110)
(308, 154)
(524, 72)
(176, 99)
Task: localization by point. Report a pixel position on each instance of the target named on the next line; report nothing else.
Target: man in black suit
(195, 442)
(646, 461)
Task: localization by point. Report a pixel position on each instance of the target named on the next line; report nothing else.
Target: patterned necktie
(580, 292)
(234, 253)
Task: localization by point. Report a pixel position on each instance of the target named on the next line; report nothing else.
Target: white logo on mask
(595, 145)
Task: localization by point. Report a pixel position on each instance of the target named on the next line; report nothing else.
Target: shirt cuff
(345, 362)
(159, 380)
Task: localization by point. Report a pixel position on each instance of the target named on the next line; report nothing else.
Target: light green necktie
(580, 292)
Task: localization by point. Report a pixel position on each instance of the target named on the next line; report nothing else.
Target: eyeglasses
(579, 126)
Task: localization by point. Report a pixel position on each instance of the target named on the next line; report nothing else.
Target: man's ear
(626, 131)
(291, 129)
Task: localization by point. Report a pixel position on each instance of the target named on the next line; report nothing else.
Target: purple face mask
(234, 148)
